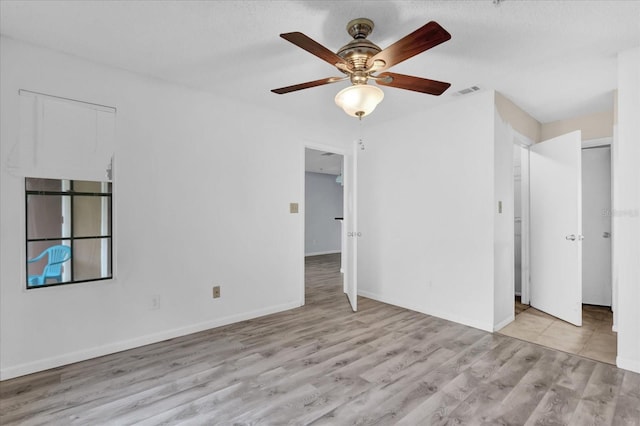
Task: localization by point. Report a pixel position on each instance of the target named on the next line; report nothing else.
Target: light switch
(293, 207)
(499, 206)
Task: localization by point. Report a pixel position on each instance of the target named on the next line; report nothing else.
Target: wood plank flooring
(322, 364)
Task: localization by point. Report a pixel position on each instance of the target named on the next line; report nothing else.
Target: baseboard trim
(83, 355)
(628, 364)
(504, 323)
(444, 315)
(319, 253)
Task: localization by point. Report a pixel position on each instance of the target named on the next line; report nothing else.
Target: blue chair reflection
(57, 255)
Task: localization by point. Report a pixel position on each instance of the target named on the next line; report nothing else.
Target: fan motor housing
(359, 50)
(360, 27)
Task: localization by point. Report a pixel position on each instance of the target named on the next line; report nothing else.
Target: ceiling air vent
(466, 91)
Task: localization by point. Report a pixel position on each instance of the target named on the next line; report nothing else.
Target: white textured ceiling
(555, 59)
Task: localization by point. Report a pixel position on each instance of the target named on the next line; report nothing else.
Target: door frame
(525, 142)
(602, 142)
(324, 148)
(588, 146)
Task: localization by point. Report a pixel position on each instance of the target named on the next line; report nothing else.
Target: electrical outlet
(216, 291)
(293, 207)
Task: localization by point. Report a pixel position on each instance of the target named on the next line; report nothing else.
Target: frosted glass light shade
(359, 100)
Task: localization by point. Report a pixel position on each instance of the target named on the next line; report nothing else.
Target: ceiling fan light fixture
(359, 100)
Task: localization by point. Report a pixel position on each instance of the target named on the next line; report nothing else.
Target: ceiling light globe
(359, 100)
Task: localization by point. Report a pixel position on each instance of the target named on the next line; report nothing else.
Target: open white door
(556, 227)
(351, 226)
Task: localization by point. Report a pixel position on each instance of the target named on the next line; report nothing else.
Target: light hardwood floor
(322, 364)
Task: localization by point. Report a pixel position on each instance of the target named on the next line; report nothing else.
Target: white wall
(323, 201)
(626, 210)
(199, 196)
(426, 203)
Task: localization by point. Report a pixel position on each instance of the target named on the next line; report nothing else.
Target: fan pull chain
(360, 138)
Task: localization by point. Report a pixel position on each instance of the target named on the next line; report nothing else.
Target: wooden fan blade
(313, 47)
(409, 82)
(283, 90)
(424, 38)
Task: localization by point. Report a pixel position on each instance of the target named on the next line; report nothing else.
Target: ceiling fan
(361, 60)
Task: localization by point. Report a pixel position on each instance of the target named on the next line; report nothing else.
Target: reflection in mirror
(68, 231)
(50, 265)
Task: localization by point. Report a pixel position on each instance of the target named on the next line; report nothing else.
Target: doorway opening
(323, 230)
(595, 339)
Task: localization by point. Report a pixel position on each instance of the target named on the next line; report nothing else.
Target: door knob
(606, 235)
(571, 237)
